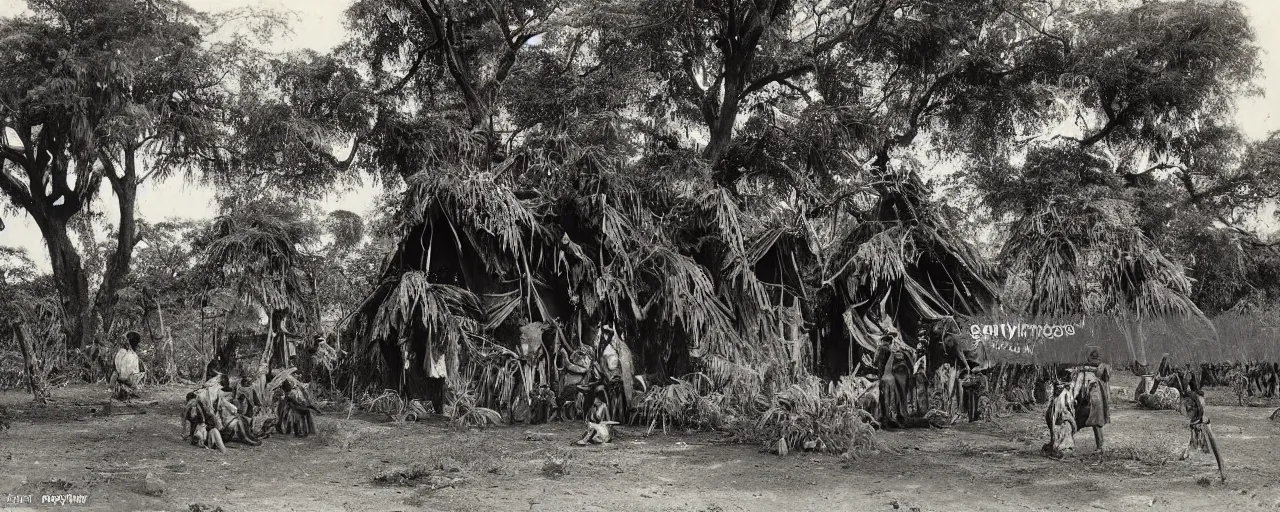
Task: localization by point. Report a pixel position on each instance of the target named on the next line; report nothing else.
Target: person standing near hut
(1093, 396)
(921, 381)
(895, 365)
(973, 385)
(1166, 368)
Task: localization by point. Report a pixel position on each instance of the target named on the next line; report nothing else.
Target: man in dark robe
(1166, 368)
(1093, 395)
(895, 365)
(974, 386)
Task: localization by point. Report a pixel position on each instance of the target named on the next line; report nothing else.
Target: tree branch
(851, 31)
(1113, 122)
(442, 28)
(500, 19)
(16, 190)
(1066, 44)
(333, 161)
(917, 114)
(413, 70)
(509, 59)
(780, 76)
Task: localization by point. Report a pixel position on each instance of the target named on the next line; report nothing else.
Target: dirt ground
(63, 449)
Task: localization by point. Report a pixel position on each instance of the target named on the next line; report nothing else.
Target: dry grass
(465, 455)
(403, 476)
(472, 451)
(1033, 433)
(806, 417)
(684, 403)
(556, 463)
(1153, 451)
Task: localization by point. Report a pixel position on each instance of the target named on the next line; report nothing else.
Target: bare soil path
(62, 449)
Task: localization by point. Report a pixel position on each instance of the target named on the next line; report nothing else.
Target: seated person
(295, 411)
(599, 426)
(127, 374)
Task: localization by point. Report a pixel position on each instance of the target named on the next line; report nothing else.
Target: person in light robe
(599, 424)
(128, 371)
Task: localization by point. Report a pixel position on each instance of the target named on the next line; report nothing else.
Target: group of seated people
(224, 409)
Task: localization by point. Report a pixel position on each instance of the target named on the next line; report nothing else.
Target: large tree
(1128, 147)
(103, 92)
(644, 160)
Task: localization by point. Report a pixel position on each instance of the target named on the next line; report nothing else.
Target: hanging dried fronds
(447, 313)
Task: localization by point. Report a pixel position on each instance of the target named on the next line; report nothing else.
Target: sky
(320, 26)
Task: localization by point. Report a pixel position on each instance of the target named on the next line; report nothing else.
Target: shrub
(806, 417)
(685, 403)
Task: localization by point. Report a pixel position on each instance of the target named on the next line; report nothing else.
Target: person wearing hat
(1093, 395)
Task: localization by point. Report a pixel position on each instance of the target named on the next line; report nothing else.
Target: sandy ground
(63, 449)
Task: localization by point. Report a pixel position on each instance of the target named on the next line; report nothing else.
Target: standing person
(127, 377)
(1194, 407)
(895, 367)
(1060, 416)
(1093, 396)
(1166, 368)
(974, 387)
(921, 381)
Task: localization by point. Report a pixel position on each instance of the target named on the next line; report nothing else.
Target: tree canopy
(695, 172)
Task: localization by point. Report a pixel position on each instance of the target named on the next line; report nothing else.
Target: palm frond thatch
(446, 313)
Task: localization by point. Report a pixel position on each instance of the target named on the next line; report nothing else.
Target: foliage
(690, 402)
(397, 409)
(114, 92)
(1147, 89)
(806, 417)
(28, 297)
(253, 250)
(556, 463)
(460, 405)
(688, 172)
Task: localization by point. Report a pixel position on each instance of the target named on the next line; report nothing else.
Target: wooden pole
(35, 376)
(1142, 340)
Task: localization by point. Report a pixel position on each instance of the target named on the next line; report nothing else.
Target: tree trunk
(1128, 339)
(160, 335)
(315, 294)
(35, 373)
(71, 280)
(87, 314)
(722, 128)
(268, 349)
(126, 191)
